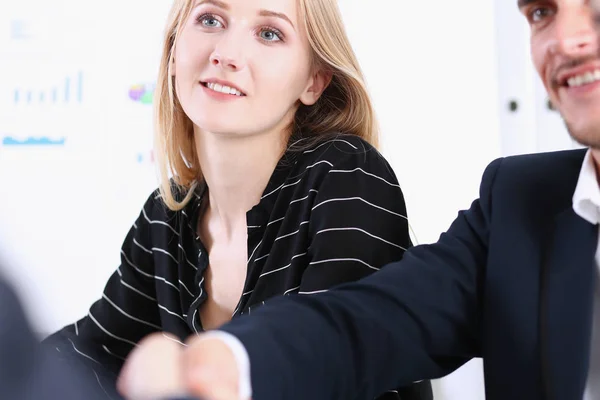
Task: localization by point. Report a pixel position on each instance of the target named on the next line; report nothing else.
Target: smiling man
(514, 280)
(564, 49)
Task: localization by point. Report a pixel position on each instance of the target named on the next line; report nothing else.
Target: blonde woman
(271, 182)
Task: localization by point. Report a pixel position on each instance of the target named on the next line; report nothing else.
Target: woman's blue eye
(210, 21)
(269, 36)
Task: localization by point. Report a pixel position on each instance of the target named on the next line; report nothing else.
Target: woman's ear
(317, 84)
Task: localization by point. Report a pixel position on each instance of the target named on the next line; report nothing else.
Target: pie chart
(142, 93)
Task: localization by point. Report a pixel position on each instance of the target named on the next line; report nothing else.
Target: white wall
(431, 67)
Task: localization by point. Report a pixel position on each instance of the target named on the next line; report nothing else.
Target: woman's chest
(224, 280)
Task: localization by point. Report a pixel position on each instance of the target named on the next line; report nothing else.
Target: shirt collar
(586, 199)
(259, 215)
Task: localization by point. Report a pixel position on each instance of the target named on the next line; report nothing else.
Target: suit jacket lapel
(567, 305)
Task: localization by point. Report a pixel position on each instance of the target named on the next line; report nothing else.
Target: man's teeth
(584, 79)
(223, 89)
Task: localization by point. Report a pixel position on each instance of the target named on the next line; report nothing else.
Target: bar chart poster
(77, 87)
(66, 90)
(37, 105)
(42, 109)
(44, 74)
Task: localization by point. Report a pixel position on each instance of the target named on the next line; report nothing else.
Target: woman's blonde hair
(344, 107)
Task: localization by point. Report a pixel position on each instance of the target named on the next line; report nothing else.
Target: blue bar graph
(80, 87)
(19, 30)
(32, 141)
(68, 92)
(67, 89)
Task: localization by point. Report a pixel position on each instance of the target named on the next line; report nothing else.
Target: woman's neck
(236, 171)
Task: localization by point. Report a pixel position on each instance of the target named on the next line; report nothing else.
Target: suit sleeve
(358, 225)
(418, 318)
(126, 312)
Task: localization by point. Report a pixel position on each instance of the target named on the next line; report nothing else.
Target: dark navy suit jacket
(511, 281)
(26, 370)
(29, 371)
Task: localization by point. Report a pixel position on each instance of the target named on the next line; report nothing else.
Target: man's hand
(210, 370)
(153, 370)
(160, 368)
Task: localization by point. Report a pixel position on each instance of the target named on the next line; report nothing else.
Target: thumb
(210, 386)
(209, 368)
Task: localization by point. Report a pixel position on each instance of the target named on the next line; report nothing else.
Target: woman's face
(241, 66)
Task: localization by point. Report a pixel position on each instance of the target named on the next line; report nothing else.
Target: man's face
(564, 48)
(595, 4)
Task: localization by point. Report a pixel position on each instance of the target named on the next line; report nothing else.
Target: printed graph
(32, 141)
(19, 30)
(142, 93)
(145, 157)
(68, 90)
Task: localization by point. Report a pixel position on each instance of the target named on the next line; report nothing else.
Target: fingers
(152, 370)
(210, 370)
(160, 368)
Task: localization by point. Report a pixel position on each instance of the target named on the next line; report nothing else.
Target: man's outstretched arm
(415, 319)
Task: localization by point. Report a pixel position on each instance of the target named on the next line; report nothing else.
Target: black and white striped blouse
(330, 214)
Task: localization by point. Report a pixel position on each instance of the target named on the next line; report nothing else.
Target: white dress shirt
(586, 203)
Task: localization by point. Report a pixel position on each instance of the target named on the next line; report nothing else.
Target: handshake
(160, 368)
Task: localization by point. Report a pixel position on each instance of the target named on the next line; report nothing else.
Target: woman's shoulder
(338, 145)
(341, 151)
(156, 210)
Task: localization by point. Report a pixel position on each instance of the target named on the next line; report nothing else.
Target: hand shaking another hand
(160, 368)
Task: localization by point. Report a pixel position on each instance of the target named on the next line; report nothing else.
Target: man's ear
(317, 84)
